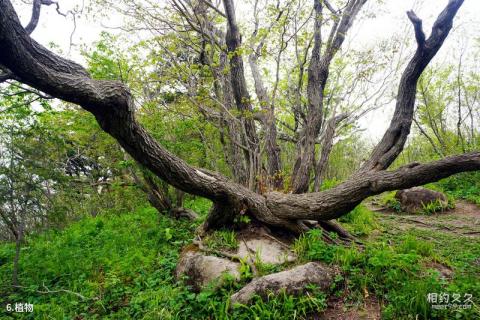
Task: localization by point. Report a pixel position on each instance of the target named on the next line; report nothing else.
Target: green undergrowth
(123, 266)
(360, 221)
(399, 272)
(222, 239)
(462, 186)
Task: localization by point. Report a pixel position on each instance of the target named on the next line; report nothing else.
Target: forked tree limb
(393, 141)
(418, 26)
(112, 105)
(36, 7)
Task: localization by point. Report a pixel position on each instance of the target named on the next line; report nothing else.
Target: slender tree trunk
(16, 259)
(318, 72)
(326, 149)
(241, 95)
(274, 164)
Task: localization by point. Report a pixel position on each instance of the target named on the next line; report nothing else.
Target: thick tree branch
(112, 105)
(393, 141)
(109, 101)
(417, 25)
(334, 203)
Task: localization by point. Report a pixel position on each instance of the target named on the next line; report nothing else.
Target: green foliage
(360, 221)
(310, 246)
(199, 205)
(282, 306)
(123, 268)
(393, 274)
(388, 199)
(462, 186)
(411, 244)
(433, 207)
(221, 239)
(112, 261)
(396, 270)
(329, 183)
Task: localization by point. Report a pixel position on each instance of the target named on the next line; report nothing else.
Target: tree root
(225, 254)
(331, 226)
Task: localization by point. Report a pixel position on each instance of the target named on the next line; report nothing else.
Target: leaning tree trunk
(112, 105)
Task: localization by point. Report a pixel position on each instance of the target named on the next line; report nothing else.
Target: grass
(360, 221)
(112, 261)
(311, 247)
(397, 267)
(222, 239)
(122, 267)
(462, 186)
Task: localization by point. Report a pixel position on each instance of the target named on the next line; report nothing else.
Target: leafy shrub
(462, 186)
(310, 246)
(389, 200)
(433, 207)
(360, 221)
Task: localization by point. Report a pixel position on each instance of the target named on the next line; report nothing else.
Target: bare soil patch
(463, 220)
(339, 310)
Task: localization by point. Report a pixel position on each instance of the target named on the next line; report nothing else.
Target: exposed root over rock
(260, 245)
(293, 281)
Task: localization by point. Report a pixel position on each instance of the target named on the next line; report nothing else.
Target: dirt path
(370, 310)
(464, 220)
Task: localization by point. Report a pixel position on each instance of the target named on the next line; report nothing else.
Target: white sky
(390, 19)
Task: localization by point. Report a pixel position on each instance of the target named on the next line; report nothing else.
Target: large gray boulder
(202, 270)
(265, 249)
(293, 281)
(414, 199)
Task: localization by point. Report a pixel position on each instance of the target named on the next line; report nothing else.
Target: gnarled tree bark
(240, 92)
(393, 141)
(318, 73)
(111, 104)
